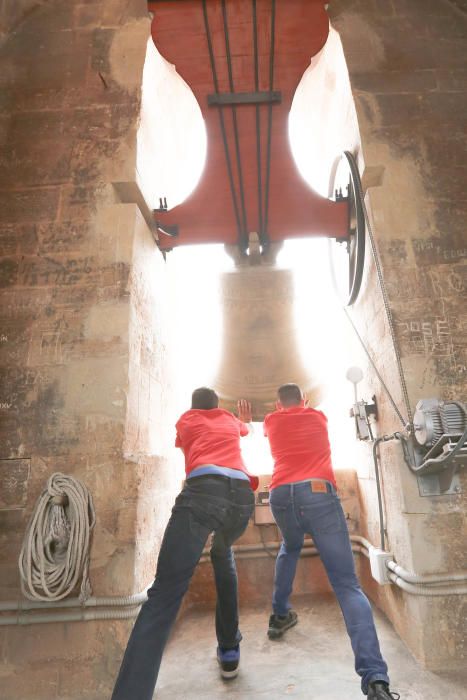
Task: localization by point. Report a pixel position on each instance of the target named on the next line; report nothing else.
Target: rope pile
(56, 547)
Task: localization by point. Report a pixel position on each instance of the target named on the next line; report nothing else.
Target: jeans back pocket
(323, 515)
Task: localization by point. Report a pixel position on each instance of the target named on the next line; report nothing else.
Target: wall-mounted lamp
(361, 410)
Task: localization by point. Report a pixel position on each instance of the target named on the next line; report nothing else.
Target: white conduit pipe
(133, 602)
(419, 589)
(130, 612)
(427, 579)
(93, 602)
(77, 616)
(259, 553)
(409, 577)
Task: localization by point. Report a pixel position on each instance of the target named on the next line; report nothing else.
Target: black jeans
(206, 504)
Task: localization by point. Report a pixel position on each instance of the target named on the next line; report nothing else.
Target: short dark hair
(289, 395)
(204, 398)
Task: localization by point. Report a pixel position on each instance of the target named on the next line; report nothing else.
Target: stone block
(14, 476)
(449, 220)
(452, 79)
(91, 159)
(26, 163)
(10, 584)
(9, 428)
(447, 109)
(47, 140)
(45, 20)
(71, 297)
(58, 271)
(446, 152)
(107, 397)
(396, 81)
(400, 111)
(449, 54)
(39, 681)
(61, 60)
(100, 49)
(38, 204)
(8, 272)
(77, 202)
(75, 236)
(8, 240)
(116, 276)
(13, 12)
(417, 8)
(407, 46)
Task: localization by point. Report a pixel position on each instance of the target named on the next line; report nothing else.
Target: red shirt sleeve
(243, 428)
(178, 442)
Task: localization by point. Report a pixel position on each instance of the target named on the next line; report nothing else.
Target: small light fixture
(361, 410)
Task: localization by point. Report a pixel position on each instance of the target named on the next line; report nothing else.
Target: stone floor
(313, 662)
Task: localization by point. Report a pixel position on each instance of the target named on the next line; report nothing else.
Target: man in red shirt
(217, 497)
(303, 501)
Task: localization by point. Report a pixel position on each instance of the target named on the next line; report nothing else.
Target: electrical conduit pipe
(406, 580)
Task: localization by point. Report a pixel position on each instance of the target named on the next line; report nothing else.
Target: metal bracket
(162, 205)
(361, 412)
(445, 484)
(167, 229)
(223, 99)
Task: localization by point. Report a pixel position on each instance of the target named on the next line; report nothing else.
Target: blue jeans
(206, 504)
(297, 510)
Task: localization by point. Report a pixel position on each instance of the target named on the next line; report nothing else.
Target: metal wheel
(347, 269)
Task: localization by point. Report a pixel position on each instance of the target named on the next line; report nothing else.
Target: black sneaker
(379, 690)
(228, 661)
(278, 624)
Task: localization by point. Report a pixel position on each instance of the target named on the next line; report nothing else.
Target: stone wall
(82, 340)
(13, 13)
(407, 69)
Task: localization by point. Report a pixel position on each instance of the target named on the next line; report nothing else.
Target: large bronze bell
(259, 349)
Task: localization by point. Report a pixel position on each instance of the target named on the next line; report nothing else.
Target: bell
(259, 349)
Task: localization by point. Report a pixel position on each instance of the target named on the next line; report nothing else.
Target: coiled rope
(56, 547)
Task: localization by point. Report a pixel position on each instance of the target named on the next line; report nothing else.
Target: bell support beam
(288, 207)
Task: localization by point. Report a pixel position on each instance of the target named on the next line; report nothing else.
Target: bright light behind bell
(322, 334)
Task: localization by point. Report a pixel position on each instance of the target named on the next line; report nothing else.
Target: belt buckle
(318, 487)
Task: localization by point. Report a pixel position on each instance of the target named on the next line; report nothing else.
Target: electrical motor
(434, 418)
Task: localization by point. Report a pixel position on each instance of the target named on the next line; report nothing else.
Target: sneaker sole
(277, 634)
(228, 675)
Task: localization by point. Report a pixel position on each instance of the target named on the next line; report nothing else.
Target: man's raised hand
(244, 411)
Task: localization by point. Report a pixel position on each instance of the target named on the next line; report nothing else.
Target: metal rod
(259, 97)
(258, 125)
(221, 121)
(244, 234)
(378, 491)
(265, 239)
